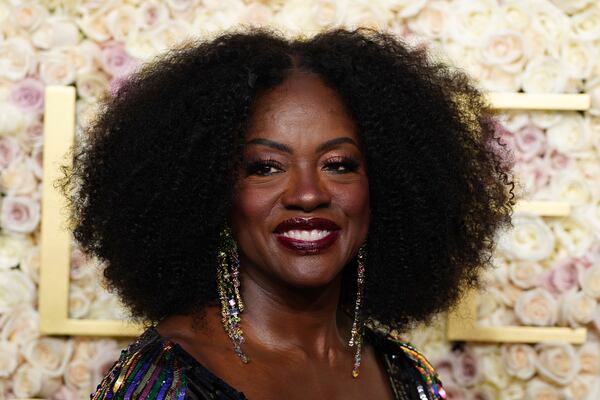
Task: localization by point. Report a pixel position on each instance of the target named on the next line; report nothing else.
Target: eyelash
(348, 163)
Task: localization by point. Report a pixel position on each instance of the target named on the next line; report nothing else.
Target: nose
(306, 191)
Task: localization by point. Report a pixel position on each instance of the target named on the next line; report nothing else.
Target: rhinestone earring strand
(357, 324)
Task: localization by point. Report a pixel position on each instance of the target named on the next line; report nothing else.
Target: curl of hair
(152, 176)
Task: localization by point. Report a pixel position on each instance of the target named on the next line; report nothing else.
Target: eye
(342, 165)
(263, 167)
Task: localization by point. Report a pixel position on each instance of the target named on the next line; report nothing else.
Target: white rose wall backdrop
(548, 269)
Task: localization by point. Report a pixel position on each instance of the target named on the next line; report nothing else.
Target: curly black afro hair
(152, 178)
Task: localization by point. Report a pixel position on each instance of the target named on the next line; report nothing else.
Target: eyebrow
(322, 147)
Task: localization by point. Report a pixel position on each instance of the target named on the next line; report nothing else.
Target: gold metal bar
(544, 208)
(541, 101)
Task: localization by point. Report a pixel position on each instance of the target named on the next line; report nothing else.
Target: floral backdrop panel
(547, 269)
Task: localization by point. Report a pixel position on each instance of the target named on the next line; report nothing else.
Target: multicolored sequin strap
(430, 378)
(152, 372)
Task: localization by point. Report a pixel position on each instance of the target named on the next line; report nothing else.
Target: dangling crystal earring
(229, 292)
(357, 324)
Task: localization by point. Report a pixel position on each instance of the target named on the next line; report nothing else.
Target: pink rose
(10, 152)
(533, 174)
(36, 161)
(34, 134)
(444, 366)
(101, 363)
(530, 142)
(558, 161)
(466, 371)
(65, 393)
(562, 277)
(115, 84)
(28, 94)
(20, 214)
(115, 60)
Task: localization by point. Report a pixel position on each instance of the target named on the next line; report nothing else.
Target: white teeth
(308, 236)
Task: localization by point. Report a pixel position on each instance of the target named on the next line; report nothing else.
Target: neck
(284, 318)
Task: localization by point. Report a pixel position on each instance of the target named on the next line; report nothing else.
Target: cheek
(250, 206)
(354, 201)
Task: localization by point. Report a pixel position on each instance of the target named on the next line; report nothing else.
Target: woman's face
(301, 206)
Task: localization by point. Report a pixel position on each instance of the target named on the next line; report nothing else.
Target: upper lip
(300, 223)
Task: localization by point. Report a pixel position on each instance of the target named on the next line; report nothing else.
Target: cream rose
(27, 381)
(550, 22)
(431, 21)
(525, 274)
(589, 279)
(78, 375)
(507, 294)
(55, 32)
(102, 361)
(472, 20)
(536, 307)
(12, 122)
(92, 86)
(8, 358)
(585, 25)
(573, 236)
(589, 358)
(28, 16)
(20, 214)
(56, 68)
(36, 162)
(583, 387)
(15, 289)
(93, 26)
(12, 250)
(592, 87)
(514, 391)
(515, 15)
(570, 186)
(21, 325)
(519, 360)
(18, 180)
(579, 57)
(33, 138)
(49, 355)
(151, 14)
(545, 75)
(10, 152)
(530, 239)
(505, 50)
(577, 309)
(537, 389)
(571, 6)
(17, 58)
(30, 264)
(170, 34)
(493, 368)
(571, 134)
(121, 22)
(79, 302)
(545, 119)
(557, 362)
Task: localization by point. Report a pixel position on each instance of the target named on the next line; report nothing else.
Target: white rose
(22, 325)
(589, 358)
(570, 186)
(557, 362)
(550, 22)
(30, 264)
(141, 46)
(92, 86)
(515, 15)
(170, 34)
(8, 358)
(150, 14)
(574, 237)
(28, 16)
(537, 307)
(79, 302)
(56, 69)
(486, 304)
(519, 360)
(78, 375)
(537, 389)
(504, 49)
(12, 249)
(181, 5)
(49, 355)
(294, 15)
(524, 274)
(84, 57)
(571, 6)
(36, 162)
(545, 75)
(507, 294)
(589, 279)
(545, 119)
(17, 59)
(122, 22)
(27, 381)
(33, 138)
(571, 134)
(496, 80)
(18, 179)
(494, 370)
(592, 87)
(586, 24)
(514, 391)
(405, 8)
(432, 20)
(579, 58)
(583, 387)
(530, 239)
(101, 363)
(473, 20)
(577, 309)
(12, 122)
(15, 289)
(56, 31)
(20, 214)
(370, 14)
(81, 264)
(94, 26)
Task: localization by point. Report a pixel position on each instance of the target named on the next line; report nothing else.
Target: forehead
(301, 110)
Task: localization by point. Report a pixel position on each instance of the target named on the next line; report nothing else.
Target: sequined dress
(156, 368)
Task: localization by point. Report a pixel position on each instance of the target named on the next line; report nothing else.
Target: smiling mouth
(307, 235)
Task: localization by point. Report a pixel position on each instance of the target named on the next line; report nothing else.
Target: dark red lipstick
(307, 235)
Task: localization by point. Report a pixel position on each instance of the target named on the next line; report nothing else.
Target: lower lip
(308, 247)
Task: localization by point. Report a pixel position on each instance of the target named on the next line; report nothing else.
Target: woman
(277, 210)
